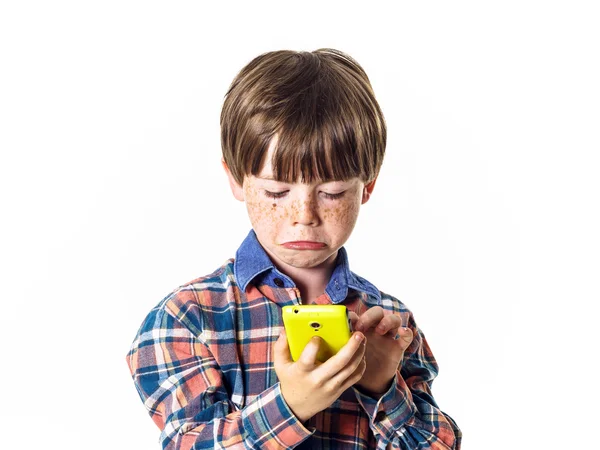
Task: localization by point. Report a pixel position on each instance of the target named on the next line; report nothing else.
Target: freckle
(274, 205)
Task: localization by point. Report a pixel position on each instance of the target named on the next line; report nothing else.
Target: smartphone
(329, 322)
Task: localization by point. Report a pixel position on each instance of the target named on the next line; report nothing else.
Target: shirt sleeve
(182, 388)
(407, 416)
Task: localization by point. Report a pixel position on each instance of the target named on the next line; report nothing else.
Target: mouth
(304, 245)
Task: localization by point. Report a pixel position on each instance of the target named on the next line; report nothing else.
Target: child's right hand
(309, 386)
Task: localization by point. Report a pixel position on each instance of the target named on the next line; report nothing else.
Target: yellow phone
(329, 322)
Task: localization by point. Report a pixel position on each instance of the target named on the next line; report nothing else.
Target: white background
(484, 220)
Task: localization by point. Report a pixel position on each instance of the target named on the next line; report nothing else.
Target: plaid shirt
(202, 362)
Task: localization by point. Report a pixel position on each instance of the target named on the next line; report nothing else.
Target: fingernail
(359, 337)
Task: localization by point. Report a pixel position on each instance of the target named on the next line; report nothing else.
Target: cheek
(344, 215)
(264, 214)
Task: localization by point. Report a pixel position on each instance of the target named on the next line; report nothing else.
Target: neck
(311, 281)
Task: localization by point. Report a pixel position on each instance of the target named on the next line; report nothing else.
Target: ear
(236, 189)
(367, 191)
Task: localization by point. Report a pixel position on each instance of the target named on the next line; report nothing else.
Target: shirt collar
(252, 262)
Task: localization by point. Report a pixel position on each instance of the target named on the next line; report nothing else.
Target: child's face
(301, 225)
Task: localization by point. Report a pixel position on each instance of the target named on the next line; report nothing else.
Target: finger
(353, 318)
(353, 372)
(389, 323)
(281, 351)
(369, 319)
(308, 357)
(358, 372)
(405, 336)
(341, 359)
(354, 378)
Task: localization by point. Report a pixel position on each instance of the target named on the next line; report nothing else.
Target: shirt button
(380, 416)
(278, 282)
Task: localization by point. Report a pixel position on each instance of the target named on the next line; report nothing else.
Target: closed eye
(276, 194)
(333, 196)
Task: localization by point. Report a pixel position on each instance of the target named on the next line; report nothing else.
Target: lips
(304, 245)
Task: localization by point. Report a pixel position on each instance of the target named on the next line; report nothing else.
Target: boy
(303, 140)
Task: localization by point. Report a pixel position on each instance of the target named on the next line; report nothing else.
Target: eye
(329, 196)
(280, 194)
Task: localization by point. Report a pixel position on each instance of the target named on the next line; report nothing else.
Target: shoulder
(392, 303)
(207, 290)
(190, 303)
(395, 306)
(375, 296)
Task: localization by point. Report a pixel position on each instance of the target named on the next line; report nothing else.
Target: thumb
(405, 337)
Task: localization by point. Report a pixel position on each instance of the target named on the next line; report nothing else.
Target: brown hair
(321, 107)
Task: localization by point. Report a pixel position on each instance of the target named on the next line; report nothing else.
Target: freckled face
(302, 225)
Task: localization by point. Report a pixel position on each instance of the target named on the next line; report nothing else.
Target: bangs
(324, 153)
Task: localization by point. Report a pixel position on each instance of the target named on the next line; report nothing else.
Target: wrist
(298, 410)
(374, 391)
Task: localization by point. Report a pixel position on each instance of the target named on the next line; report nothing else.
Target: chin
(305, 261)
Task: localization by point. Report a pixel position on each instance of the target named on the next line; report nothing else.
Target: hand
(309, 386)
(386, 342)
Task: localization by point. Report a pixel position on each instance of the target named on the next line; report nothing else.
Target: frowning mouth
(304, 245)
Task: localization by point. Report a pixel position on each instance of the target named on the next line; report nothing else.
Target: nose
(305, 211)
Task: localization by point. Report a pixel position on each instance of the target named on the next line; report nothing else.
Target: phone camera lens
(296, 310)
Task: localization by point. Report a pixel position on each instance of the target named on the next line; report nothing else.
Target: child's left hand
(386, 342)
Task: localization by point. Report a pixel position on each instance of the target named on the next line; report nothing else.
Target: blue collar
(252, 262)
